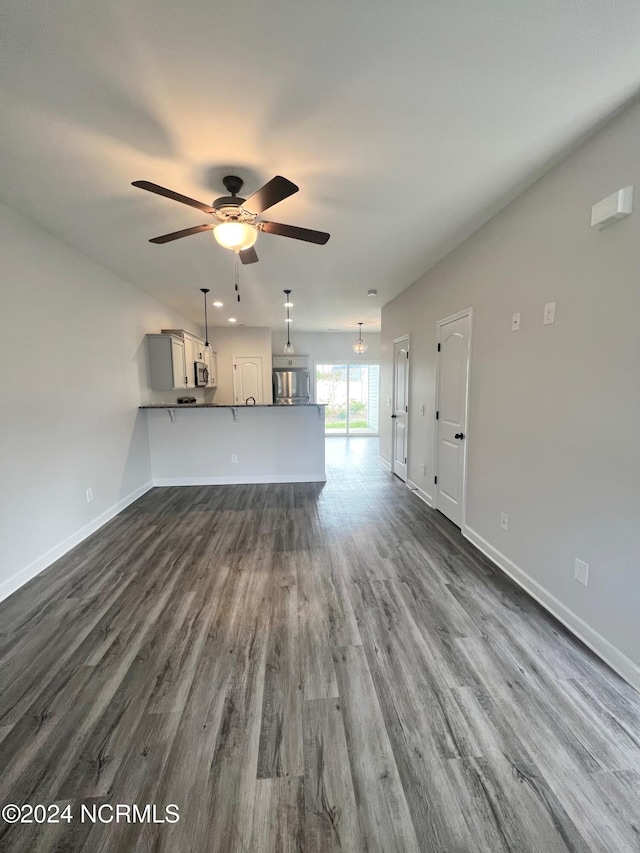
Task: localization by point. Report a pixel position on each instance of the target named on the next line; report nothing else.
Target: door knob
(459, 435)
(394, 416)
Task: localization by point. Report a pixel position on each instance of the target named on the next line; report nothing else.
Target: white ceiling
(405, 125)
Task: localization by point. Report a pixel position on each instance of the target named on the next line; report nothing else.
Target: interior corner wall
(554, 410)
(237, 341)
(72, 371)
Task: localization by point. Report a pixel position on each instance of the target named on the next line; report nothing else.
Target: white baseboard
(420, 493)
(41, 563)
(247, 479)
(611, 655)
(385, 464)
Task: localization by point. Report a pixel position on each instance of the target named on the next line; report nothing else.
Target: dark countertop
(226, 406)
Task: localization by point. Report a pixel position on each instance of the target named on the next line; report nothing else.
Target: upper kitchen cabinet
(167, 364)
(210, 359)
(199, 349)
(190, 360)
(291, 361)
(194, 350)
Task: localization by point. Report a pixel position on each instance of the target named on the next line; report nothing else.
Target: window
(351, 394)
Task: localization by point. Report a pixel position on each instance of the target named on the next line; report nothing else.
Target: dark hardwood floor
(306, 668)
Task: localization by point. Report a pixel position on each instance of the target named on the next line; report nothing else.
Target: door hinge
(437, 414)
(438, 347)
(406, 408)
(407, 353)
(435, 480)
(405, 460)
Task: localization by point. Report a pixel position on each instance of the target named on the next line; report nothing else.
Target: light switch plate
(515, 322)
(549, 313)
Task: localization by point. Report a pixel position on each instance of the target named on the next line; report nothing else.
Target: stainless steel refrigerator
(291, 386)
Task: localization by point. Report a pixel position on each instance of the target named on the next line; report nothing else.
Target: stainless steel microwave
(202, 374)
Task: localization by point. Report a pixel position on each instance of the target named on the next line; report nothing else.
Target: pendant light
(288, 347)
(360, 345)
(205, 290)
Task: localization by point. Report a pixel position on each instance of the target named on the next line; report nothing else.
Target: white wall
(72, 365)
(554, 410)
(271, 444)
(228, 342)
(329, 347)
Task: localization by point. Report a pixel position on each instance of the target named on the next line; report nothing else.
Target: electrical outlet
(515, 322)
(234, 457)
(504, 521)
(423, 469)
(581, 572)
(549, 313)
(89, 495)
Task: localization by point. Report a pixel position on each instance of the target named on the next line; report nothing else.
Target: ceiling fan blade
(154, 188)
(249, 256)
(306, 234)
(176, 235)
(271, 193)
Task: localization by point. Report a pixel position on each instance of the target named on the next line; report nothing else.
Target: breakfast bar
(210, 444)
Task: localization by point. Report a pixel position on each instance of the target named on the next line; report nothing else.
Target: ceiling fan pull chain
(237, 277)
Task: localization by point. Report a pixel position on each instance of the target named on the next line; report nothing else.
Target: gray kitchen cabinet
(194, 350)
(190, 358)
(210, 359)
(199, 350)
(167, 365)
(291, 361)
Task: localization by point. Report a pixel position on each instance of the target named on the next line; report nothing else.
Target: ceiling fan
(236, 226)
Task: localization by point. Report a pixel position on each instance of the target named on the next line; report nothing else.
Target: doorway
(452, 402)
(400, 406)
(247, 378)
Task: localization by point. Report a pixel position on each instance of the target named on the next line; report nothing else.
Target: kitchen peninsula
(211, 444)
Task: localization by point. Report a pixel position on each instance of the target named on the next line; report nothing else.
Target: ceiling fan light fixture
(237, 236)
(360, 346)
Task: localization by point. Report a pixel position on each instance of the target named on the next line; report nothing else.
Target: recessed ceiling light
(372, 292)
(217, 304)
(232, 320)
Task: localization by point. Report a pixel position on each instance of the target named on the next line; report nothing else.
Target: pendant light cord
(288, 349)
(205, 290)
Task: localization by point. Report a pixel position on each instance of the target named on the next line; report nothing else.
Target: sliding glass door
(351, 394)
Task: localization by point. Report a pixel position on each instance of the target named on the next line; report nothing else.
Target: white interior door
(400, 406)
(451, 429)
(247, 378)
